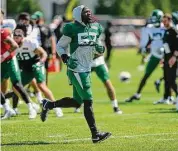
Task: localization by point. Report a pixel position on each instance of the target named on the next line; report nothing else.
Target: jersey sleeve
(176, 40)
(100, 30)
(67, 30)
(144, 39)
(5, 33)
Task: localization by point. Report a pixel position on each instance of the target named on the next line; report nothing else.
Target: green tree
(164, 5)
(126, 7)
(135, 7)
(174, 5)
(144, 8)
(17, 6)
(105, 6)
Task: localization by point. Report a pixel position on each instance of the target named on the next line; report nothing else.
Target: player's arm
(12, 43)
(174, 58)
(145, 38)
(62, 46)
(64, 42)
(41, 52)
(53, 42)
(99, 46)
(53, 45)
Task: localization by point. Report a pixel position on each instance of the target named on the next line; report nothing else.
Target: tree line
(132, 8)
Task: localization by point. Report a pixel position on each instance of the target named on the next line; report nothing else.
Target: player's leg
(172, 79)
(36, 90)
(82, 83)
(151, 66)
(102, 73)
(39, 75)
(66, 102)
(4, 85)
(77, 97)
(157, 84)
(167, 87)
(174, 86)
(14, 74)
(8, 110)
(46, 67)
(15, 100)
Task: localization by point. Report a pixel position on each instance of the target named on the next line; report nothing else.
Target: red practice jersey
(5, 46)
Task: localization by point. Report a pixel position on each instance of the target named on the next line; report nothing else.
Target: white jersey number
(23, 56)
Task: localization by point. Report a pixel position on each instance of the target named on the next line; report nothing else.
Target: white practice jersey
(26, 51)
(155, 36)
(98, 61)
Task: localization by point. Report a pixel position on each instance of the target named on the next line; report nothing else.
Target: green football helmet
(175, 17)
(156, 17)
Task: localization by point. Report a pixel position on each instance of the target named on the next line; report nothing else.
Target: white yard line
(125, 136)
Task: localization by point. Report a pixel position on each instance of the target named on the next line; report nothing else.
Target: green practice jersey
(81, 45)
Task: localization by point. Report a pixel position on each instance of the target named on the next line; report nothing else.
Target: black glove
(65, 58)
(71, 63)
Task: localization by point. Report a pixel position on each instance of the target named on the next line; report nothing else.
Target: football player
(32, 32)
(155, 36)
(31, 58)
(10, 69)
(82, 36)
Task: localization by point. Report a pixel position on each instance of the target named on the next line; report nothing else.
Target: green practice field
(142, 127)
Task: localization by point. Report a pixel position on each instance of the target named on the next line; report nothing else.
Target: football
(124, 76)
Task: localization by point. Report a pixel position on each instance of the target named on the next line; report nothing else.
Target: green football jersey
(81, 46)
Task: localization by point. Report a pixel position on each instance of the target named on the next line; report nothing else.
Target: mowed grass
(142, 127)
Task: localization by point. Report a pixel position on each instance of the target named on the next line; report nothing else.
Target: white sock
(39, 97)
(6, 106)
(138, 95)
(30, 106)
(114, 103)
(8, 101)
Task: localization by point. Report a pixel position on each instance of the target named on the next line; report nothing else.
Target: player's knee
(88, 103)
(43, 87)
(17, 85)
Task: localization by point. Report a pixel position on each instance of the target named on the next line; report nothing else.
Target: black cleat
(101, 136)
(45, 109)
(157, 85)
(134, 97)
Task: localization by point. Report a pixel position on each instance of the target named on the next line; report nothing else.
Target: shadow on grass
(28, 143)
(40, 143)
